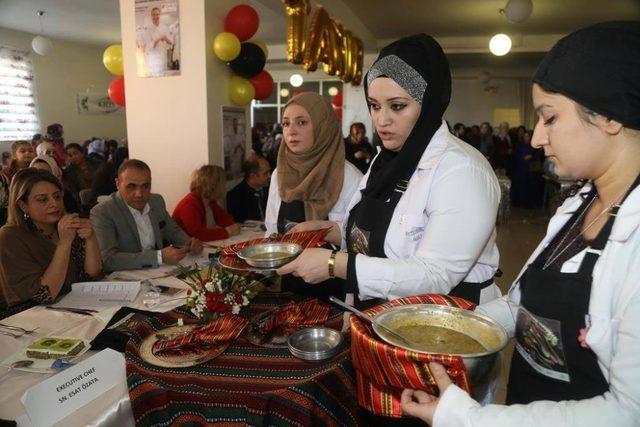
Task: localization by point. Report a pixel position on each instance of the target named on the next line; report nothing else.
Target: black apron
(548, 362)
(367, 228)
(289, 215)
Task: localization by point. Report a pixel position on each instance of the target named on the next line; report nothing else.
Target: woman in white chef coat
(424, 218)
(575, 308)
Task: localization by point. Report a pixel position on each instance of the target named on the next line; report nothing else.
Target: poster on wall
(93, 103)
(234, 139)
(157, 38)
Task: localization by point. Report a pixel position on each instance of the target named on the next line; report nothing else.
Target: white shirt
(338, 212)
(614, 336)
(442, 231)
(145, 229)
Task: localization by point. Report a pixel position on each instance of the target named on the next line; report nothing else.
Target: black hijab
(418, 64)
(599, 68)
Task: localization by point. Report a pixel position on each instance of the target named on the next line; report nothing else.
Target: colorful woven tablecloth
(246, 385)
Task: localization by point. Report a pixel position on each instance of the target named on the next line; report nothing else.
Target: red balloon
(338, 112)
(116, 91)
(263, 84)
(337, 100)
(243, 21)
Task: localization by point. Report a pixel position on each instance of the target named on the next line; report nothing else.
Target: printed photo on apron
(539, 342)
(358, 240)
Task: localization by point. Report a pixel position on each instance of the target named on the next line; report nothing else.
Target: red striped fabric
(224, 328)
(306, 239)
(383, 370)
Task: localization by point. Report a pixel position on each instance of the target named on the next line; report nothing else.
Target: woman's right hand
(233, 229)
(68, 228)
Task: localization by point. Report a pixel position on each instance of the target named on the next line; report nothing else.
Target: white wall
(68, 70)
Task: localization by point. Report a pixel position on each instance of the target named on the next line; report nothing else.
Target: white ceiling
(97, 22)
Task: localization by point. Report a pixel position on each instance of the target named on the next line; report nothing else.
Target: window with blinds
(18, 116)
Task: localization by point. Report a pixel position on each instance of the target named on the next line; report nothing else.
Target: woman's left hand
(422, 405)
(85, 229)
(312, 265)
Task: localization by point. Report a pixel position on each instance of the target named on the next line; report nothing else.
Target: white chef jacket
(338, 212)
(156, 57)
(442, 231)
(614, 336)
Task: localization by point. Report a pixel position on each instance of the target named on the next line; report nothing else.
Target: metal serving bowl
(270, 255)
(483, 329)
(315, 343)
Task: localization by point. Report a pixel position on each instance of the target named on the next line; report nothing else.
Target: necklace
(555, 256)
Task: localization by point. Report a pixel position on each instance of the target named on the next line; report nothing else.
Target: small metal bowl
(315, 343)
(270, 255)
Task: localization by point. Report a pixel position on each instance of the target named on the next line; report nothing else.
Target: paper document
(99, 294)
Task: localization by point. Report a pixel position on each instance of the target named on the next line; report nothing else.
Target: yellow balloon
(241, 91)
(262, 45)
(112, 59)
(226, 46)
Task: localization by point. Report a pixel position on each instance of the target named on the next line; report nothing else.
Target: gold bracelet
(332, 263)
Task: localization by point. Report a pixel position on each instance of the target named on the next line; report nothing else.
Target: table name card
(61, 395)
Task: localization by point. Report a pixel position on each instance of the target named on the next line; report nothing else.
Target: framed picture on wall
(234, 141)
(157, 38)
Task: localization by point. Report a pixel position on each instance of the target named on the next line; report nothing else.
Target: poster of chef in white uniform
(157, 38)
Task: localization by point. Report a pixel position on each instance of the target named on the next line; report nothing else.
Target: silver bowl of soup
(438, 329)
(270, 255)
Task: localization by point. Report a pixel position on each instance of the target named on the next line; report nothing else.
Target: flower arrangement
(214, 292)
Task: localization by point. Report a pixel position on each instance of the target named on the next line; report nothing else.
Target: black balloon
(249, 62)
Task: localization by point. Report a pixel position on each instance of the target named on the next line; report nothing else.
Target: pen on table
(84, 312)
(113, 300)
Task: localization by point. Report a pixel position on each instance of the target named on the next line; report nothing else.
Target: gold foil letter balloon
(322, 45)
(297, 11)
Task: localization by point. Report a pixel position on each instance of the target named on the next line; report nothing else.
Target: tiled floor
(516, 241)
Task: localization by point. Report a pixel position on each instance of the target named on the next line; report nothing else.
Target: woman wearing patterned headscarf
(574, 310)
(423, 220)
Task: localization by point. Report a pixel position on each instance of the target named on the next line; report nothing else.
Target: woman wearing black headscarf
(423, 220)
(575, 309)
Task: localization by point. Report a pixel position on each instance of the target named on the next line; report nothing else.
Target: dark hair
(357, 125)
(74, 145)
(55, 130)
(37, 137)
(458, 126)
(119, 156)
(21, 185)
(252, 165)
(135, 164)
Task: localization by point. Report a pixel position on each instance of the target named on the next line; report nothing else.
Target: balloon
(116, 91)
(338, 112)
(249, 62)
(517, 11)
(322, 44)
(112, 59)
(41, 45)
(243, 21)
(337, 100)
(262, 45)
(263, 84)
(226, 46)
(241, 91)
(297, 11)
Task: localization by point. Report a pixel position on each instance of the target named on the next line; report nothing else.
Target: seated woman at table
(48, 163)
(42, 249)
(424, 218)
(575, 308)
(199, 214)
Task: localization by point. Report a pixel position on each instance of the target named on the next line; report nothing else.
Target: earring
(25, 215)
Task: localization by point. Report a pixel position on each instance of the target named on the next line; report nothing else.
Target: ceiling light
(333, 91)
(517, 11)
(284, 92)
(40, 44)
(500, 44)
(296, 80)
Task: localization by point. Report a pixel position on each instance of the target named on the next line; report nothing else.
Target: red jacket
(190, 216)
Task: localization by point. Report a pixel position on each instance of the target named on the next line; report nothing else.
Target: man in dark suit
(248, 200)
(133, 227)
